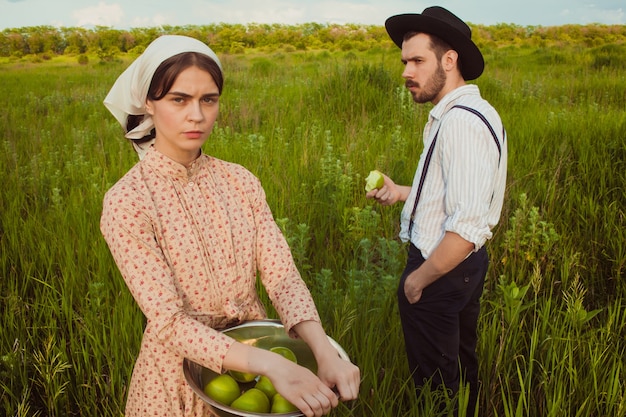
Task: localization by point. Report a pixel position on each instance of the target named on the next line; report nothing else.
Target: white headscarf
(130, 91)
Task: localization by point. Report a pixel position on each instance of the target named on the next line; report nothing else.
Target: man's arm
(450, 252)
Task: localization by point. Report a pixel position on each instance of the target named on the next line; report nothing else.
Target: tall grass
(311, 125)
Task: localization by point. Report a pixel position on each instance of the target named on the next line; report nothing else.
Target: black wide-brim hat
(442, 23)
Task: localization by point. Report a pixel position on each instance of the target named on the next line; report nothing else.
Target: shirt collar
(450, 99)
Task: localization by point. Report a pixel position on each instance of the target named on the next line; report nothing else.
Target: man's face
(423, 72)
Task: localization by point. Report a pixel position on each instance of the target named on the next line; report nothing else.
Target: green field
(311, 125)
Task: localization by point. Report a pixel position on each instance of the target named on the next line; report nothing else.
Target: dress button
(190, 183)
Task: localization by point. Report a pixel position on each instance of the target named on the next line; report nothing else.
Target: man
(454, 202)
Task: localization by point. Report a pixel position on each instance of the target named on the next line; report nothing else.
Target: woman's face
(184, 117)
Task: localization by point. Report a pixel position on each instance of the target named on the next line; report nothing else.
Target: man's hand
(412, 288)
(450, 252)
(390, 193)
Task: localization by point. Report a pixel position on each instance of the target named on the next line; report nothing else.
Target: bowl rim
(189, 365)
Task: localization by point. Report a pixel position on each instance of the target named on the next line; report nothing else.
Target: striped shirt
(464, 187)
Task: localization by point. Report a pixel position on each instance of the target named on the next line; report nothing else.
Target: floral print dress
(189, 243)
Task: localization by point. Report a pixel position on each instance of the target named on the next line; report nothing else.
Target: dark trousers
(440, 329)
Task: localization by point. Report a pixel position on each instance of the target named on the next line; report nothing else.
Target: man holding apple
(453, 204)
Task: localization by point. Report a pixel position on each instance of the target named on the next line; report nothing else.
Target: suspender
(431, 149)
(479, 114)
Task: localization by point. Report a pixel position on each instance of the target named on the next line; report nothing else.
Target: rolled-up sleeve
(470, 167)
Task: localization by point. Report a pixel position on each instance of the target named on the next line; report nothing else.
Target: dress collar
(170, 168)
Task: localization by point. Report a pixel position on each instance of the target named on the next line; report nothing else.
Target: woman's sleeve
(127, 229)
(288, 292)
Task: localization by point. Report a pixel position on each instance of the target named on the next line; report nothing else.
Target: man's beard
(432, 87)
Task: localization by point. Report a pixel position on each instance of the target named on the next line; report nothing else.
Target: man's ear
(450, 59)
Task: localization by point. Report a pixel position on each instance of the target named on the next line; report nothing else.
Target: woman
(189, 233)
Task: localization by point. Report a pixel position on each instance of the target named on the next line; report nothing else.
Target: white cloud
(147, 13)
(283, 15)
(101, 15)
(349, 12)
(590, 14)
(271, 11)
(156, 20)
(611, 17)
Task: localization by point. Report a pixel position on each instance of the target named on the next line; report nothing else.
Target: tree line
(237, 38)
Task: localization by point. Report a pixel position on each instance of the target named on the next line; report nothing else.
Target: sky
(126, 14)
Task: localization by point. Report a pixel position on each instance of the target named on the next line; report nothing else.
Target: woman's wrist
(317, 340)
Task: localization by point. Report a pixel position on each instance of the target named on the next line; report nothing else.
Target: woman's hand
(301, 387)
(333, 371)
(343, 376)
(308, 392)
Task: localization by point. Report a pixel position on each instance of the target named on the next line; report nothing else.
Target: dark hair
(437, 45)
(165, 76)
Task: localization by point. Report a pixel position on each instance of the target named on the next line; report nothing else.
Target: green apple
(265, 385)
(242, 376)
(285, 352)
(374, 181)
(253, 400)
(223, 389)
(281, 405)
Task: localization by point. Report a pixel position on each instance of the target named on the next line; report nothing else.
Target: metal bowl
(263, 334)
